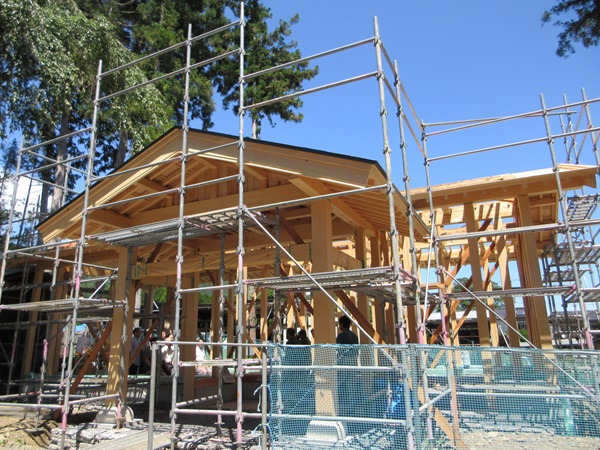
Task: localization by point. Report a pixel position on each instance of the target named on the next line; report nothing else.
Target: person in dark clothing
(346, 379)
(291, 338)
(303, 338)
(346, 335)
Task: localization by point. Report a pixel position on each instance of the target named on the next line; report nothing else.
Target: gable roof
(145, 189)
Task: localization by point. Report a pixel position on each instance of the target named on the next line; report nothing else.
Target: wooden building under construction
(267, 236)
(304, 211)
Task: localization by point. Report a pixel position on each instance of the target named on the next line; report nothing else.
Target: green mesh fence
(416, 397)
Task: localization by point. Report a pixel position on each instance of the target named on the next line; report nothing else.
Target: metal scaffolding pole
(390, 189)
(69, 343)
(564, 212)
(180, 237)
(240, 290)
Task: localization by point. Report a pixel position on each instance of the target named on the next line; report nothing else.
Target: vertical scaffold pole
(414, 270)
(564, 208)
(240, 291)
(593, 136)
(79, 263)
(400, 323)
(179, 262)
(220, 335)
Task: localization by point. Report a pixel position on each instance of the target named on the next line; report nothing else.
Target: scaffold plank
(516, 292)
(66, 305)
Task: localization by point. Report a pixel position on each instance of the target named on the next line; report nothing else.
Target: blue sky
(457, 60)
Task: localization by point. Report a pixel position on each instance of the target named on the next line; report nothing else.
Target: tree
(49, 57)
(265, 49)
(49, 53)
(581, 25)
(6, 180)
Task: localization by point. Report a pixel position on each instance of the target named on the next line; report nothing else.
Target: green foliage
(205, 298)
(464, 304)
(160, 295)
(265, 49)
(49, 54)
(582, 24)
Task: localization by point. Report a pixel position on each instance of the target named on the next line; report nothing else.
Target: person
(134, 367)
(290, 335)
(346, 335)
(346, 378)
(303, 338)
(146, 357)
(83, 343)
(201, 356)
(167, 355)
(296, 384)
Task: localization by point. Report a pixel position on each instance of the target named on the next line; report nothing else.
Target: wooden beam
(535, 307)
(359, 317)
(339, 207)
(482, 320)
(92, 355)
(109, 219)
(284, 192)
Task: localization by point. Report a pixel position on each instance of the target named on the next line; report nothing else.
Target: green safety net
(416, 396)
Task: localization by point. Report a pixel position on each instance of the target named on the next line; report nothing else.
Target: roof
(138, 203)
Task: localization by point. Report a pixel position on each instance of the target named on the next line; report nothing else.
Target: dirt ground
(26, 433)
(18, 432)
(22, 433)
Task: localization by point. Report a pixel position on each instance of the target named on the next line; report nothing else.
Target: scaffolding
(420, 250)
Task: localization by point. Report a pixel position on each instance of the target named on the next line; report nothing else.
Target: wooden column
(411, 310)
(495, 338)
(264, 312)
(36, 295)
(378, 307)
(189, 329)
(509, 302)
(324, 310)
(390, 319)
(55, 340)
(362, 299)
(215, 322)
(231, 316)
(535, 307)
(322, 259)
(119, 323)
(482, 319)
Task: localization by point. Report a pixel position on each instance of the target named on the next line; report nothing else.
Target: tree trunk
(122, 148)
(254, 128)
(61, 173)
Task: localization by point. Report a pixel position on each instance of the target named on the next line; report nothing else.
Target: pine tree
(265, 49)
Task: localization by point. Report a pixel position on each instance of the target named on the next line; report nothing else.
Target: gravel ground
(199, 432)
(24, 432)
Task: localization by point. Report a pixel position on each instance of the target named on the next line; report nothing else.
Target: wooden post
(324, 310)
(377, 307)
(189, 324)
(509, 302)
(55, 344)
(390, 319)
(322, 259)
(482, 319)
(116, 337)
(538, 323)
(362, 299)
(36, 295)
